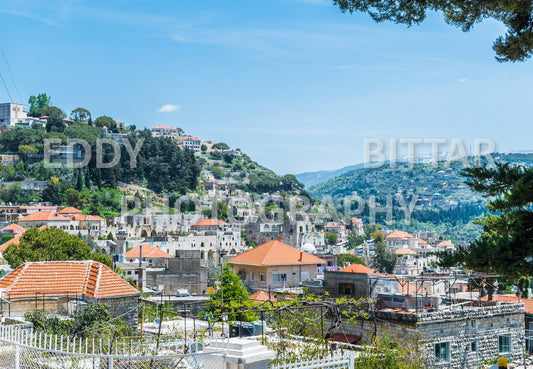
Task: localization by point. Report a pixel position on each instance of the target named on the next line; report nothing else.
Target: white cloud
(463, 80)
(168, 108)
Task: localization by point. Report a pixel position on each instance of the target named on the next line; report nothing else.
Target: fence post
(110, 362)
(351, 359)
(17, 356)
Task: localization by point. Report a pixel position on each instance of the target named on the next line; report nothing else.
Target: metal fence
(21, 347)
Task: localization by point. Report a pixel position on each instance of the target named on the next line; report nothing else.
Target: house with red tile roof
(398, 239)
(163, 130)
(49, 218)
(275, 265)
(151, 255)
(69, 210)
(209, 225)
(191, 143)
(58, 286)
(13, 229)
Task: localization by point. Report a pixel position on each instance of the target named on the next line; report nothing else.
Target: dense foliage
(51, 244)
(344, 260)
(516, 15)
(92, 321)
(506, 244)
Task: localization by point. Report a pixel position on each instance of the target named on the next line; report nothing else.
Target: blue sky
(296, 84)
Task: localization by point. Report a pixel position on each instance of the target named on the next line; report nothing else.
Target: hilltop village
(176, 254)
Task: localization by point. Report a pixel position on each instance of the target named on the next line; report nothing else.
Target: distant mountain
(312, 178)
(444, 203)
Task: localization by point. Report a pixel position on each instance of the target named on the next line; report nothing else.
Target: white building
(192, 143)
(164, 130)
(11, 114)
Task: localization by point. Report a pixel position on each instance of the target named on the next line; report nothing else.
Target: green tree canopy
(56, 119)
(51, 244)
(38, 104)
(80, 114)
(344, 260)
(107, 122)
(383, 260)
(506, 244)
(516, 15)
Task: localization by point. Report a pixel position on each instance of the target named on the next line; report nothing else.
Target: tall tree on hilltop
(516, 15)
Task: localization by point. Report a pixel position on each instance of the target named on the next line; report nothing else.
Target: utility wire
(5, 86)
(11, 74)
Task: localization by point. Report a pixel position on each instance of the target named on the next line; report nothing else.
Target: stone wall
(125, 307)
(186, 272)
(460, 328)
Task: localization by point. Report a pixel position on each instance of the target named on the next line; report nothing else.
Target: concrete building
(11, 114)
(185, 271)
(163, 130)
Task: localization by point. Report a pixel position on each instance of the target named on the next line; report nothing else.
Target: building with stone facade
(64, 286)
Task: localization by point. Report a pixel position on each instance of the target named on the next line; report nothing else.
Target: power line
(5, 86)
(11, 74)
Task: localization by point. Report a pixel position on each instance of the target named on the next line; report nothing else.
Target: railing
(22, 347)
(333, 361)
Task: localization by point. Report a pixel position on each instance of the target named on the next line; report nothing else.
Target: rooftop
(87, 278)
(148, 251)
(398, 235)
(275, 253)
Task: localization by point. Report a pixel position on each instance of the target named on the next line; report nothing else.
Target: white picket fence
(338, 360)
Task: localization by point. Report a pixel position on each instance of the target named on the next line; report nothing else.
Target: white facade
(192, 143)
(11, 114)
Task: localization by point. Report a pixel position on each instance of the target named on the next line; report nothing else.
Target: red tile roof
(164, 126)
(358, 268)
(149, 251)
(61, 278)
(88, 218)
(421, 242)
(189, 138)
(13, 241)
(70, 210)
(262, 295)
(209, 223)
(355, 220)
(344, 338)
(43, 216)
(275, 253)
(445, 244)
(398, 235)
(513, 298)
(404, 251)
(14, 227)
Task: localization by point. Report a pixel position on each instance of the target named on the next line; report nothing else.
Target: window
(504, 344)
(346, 289)
(279, 277)
(262, 277)
(442, 351)
(473, 346)
(251, 276)
(305, 275)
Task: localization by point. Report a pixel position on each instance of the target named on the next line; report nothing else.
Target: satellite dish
(157, 321)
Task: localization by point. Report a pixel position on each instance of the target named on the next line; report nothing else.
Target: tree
(220, 146)
(383, 260)
(506, 244)
(344, 260)
(38, 104)
(55, 121)
(516, 15)
(80, 114)
(51, 244)
(229, 296)
(105, 121)
(75, 198)
(331, 239)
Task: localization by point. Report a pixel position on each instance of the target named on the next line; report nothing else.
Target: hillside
(443, 201)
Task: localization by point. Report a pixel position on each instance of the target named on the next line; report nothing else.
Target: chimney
(279, 238)
(301, 256)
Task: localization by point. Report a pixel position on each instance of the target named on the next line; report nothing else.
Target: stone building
(457, 336)
(186, 271)
(63, 286)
